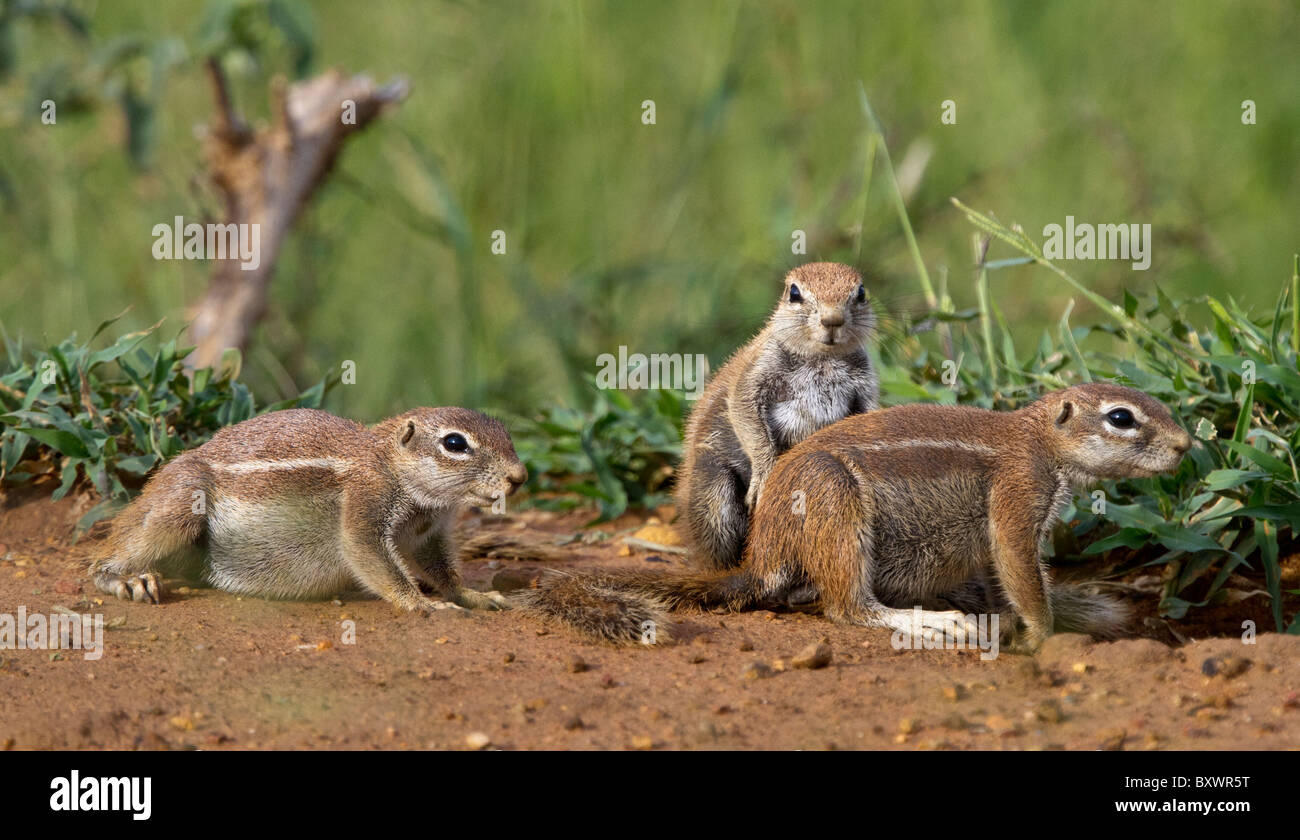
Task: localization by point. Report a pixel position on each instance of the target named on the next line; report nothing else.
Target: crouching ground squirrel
(806, 369)
(909, 505)
(303, 504)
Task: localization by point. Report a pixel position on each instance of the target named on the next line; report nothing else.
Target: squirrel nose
(517, 477)
(1184, 444)
(832, 318)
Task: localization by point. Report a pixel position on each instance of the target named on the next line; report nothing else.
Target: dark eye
(1121, 418)
(455, 443)
(795, 296)
(862, 294)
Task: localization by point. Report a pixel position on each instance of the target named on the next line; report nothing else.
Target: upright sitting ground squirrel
(806, 369)
(898, 507)
(303, 504)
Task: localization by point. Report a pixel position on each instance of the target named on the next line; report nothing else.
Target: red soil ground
(211, 670)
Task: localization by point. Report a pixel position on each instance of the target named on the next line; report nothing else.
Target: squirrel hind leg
(715, 515)
(158, 525)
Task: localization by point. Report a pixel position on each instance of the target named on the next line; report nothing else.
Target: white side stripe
(335, 464)
(978, 448)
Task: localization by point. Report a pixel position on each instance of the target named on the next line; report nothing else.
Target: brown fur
(907, 505)
(303, 504)
(806, 369)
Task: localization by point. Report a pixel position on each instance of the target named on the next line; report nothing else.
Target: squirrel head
(450, 456)
(1101, 431)
(824, 310)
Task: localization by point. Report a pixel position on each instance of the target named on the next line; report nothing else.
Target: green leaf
(1175, 608)
(1243, 416)
(1132, 538)
(1266, 536)
(59, 440)
(137, 464)
(1279, 468)
(105, 509)
(122, 346)
(69, 478)
(1179, 538)
(1134, 516)
(106, 324)
(1277, 513)
(1220, 480)
(1067, 338)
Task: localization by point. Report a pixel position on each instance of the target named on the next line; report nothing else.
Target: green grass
(670, 237)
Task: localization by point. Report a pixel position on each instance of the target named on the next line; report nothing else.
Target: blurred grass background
(666, 238)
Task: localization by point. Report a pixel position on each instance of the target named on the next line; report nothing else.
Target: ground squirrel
(303, 504)
(806, 369)
(906, 505)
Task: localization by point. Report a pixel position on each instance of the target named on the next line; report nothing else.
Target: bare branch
(265, 178)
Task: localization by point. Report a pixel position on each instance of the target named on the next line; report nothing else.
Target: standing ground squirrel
(907, 505)
(303, 504)
(806, 369)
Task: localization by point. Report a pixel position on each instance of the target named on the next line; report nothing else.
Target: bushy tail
(1076, 609)
(616, 605)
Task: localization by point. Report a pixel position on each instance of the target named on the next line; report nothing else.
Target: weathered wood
(265, 177)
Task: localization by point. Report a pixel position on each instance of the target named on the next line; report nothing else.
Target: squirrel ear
(408, 434)
(1067, 408)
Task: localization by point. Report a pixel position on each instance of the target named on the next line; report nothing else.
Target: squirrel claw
(145, 588)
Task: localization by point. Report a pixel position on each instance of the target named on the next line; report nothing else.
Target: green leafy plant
(111, 415)
(620, 452)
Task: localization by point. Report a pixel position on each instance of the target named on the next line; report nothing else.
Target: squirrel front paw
(474, 600)
(428, 605)
(145, 588)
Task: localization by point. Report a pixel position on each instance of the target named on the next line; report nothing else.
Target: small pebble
(1111, 739)
(1228, 667)
(813, 656)
(1049, 711)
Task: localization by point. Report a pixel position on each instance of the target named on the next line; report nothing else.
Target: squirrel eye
(795, 296)
(455, 443)
(862, 294)
(1121, 418)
